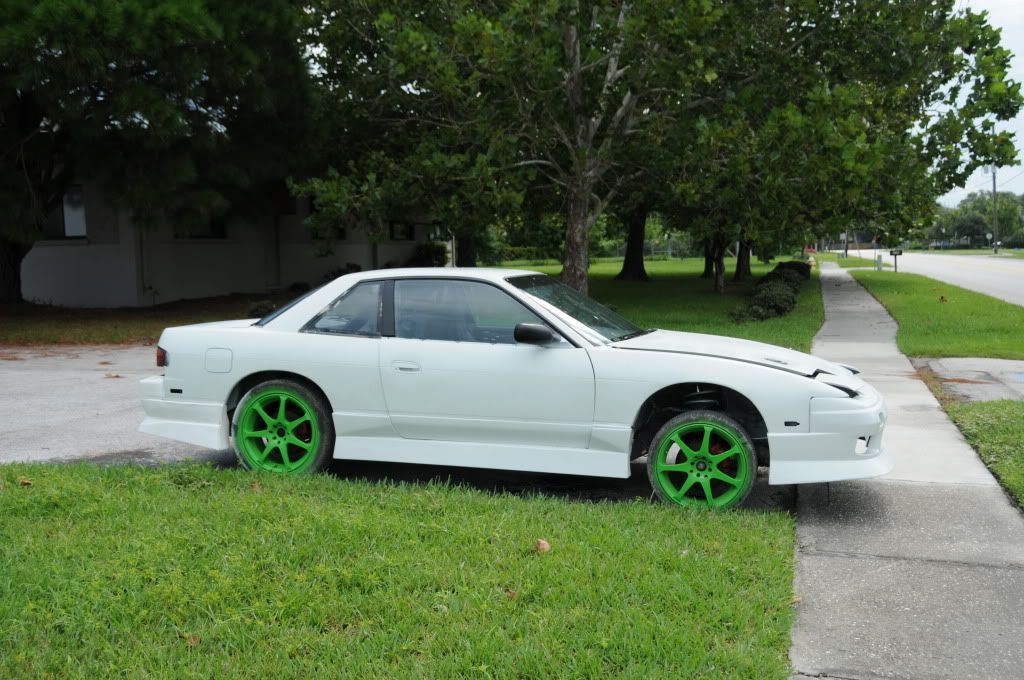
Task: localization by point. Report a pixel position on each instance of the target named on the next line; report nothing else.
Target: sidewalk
(918, 574)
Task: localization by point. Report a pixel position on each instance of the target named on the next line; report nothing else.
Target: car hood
(722, 347)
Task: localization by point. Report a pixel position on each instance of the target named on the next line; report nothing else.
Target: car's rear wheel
(282, 426)
(702, 459)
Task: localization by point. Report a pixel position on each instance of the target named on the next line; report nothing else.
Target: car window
(355, 312)
(466, 311)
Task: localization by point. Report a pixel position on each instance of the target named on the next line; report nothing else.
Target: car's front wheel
(282, 426)
(702, 459)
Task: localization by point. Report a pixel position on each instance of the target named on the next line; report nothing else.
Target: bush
(772, 298)
(801, 268)
(787, 276)
(259, 308)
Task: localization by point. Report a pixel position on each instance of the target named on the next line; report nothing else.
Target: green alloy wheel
(282, 426)
(702, 459)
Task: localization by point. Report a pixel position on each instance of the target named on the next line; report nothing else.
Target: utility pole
(995, 215)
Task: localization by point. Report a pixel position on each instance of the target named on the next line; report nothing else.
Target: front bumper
(199, 423)
(843, 441)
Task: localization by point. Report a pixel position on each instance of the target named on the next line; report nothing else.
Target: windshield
(591, 314)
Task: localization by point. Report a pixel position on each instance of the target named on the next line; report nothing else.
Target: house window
(68, 220)
(215, 227)
(401, 231)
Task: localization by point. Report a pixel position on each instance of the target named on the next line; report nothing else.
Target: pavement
(918, 574)
(67, 402)
(971, 379)
(998, 276)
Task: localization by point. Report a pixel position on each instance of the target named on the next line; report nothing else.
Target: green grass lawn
(28, 324)
(187, 571)
(941, 320)
(676, 298)
(851, 261)
(996, 429)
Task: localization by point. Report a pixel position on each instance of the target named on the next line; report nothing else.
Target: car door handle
(405, 366)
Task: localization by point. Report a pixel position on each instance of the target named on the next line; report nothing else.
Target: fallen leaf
(510, 594)
(542, 546)
(192, 640)
(255, 486)
(24, 481)
(113, 375)
(102, 363)
(796, 600)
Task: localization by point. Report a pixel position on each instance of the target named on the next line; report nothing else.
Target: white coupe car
(511, 370)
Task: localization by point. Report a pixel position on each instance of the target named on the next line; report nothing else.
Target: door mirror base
(533, 334)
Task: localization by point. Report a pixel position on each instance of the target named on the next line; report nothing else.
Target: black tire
(292, 445)
(725, 433)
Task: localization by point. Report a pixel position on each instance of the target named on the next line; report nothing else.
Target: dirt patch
(934, 382)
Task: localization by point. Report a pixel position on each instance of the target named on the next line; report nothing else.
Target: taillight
(161, 357)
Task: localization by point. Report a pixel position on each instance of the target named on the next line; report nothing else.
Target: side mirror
(533, 334)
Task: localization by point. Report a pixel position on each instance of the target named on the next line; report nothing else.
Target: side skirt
(490, 456)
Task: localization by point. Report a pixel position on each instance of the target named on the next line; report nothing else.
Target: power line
(1012, 178)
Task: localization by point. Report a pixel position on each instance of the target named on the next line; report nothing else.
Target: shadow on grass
(577, 488)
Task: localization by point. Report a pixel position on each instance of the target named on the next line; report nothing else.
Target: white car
(510, 370)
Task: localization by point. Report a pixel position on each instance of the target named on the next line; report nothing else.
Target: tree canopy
(175, 106)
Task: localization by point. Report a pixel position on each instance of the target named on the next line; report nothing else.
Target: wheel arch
(253, 379)
(674, 399)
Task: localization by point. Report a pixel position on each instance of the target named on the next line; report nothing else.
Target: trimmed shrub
(801, 268)
(788, 276)
(773, 298)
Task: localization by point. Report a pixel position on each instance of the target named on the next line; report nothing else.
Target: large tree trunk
(709, 261)
(12, 254)
(716, 247)
(576, 261)
(633, 262)
(465, 252)
(743, 271)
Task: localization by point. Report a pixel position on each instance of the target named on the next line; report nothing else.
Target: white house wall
(121, 265)
(98, 271)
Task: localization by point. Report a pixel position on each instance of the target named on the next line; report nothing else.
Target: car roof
(475, 273)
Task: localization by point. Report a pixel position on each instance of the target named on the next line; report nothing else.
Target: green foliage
(970, 222)
(189, 571)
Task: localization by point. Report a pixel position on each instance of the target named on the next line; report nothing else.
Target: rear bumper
(843, 441)
(199, 423)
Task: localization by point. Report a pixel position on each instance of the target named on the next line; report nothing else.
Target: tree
(539, 95)
(172, 105)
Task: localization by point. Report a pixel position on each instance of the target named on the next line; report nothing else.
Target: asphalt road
(1000, 277)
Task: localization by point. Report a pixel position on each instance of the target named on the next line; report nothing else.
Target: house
(93, 255)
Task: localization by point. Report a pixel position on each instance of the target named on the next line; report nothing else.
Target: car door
(453, 371)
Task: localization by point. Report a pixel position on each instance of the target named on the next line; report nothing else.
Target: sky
(1009, 16)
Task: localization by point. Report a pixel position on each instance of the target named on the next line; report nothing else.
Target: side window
(465, 311)
(356, 312)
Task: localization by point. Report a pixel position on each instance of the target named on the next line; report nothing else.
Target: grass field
(996, 429)
(191, 572)
(851, 261)
(677, 298)
(941, 320)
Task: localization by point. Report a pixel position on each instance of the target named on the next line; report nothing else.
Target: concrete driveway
(68, 402)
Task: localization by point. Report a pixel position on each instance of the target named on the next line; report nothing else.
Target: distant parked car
(510, 370)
